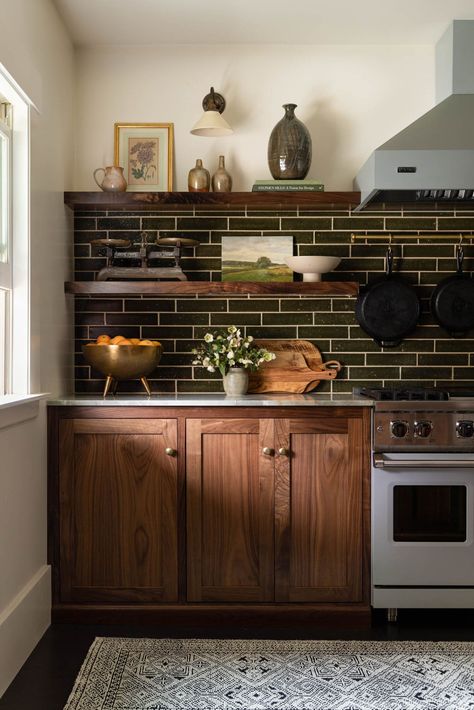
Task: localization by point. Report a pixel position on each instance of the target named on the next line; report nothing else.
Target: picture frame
(256, 258)
(145, 152)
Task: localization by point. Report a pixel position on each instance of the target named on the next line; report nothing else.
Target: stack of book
(287, 186)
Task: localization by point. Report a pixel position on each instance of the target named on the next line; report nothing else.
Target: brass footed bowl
(123, 362)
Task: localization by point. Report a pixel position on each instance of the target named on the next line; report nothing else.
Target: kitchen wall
(36, 50)
(352, 98)
(429, 356)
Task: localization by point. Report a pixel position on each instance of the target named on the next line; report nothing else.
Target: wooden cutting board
(297, 368)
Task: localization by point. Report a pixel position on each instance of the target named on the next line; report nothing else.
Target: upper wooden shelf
(320, 288)
(205, 200)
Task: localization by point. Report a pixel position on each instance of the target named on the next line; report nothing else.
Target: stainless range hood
(432, 160)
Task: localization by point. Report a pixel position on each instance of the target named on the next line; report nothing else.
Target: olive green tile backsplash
(428, 357)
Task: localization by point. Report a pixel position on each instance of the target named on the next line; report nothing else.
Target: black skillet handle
(459, 259)
(389, 261)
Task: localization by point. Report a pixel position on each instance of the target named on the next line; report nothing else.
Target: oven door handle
(381, 462)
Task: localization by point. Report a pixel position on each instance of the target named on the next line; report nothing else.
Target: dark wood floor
(47, 677)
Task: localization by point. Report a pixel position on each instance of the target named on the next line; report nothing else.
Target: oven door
(423, 520)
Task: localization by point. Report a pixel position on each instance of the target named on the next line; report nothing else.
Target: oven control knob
(465, 429)
(399, 429)
(422, 429)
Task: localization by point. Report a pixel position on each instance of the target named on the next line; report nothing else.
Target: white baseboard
(23, 623)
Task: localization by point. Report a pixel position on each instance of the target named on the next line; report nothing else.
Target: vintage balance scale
(139, 255)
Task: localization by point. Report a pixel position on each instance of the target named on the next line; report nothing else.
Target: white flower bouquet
(227, 348)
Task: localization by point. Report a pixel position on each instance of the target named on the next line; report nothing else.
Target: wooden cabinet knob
(268, 451)
(284, 451)
(170, 452)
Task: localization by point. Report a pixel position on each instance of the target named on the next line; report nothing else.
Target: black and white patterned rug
(168, 674)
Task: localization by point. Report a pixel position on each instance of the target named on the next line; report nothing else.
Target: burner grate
(393, 394)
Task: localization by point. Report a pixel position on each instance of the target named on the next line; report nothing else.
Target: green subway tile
(410, 345)
(158, 223)
(254, 223)
(407, 264)
(89, 318)
(332, 237)
(463, 373)
(434, 373)
(358, 223)
(412, 224)
(345, 387)
(207, 250)
(322, 331)
(428, 250)
(253, 304)
(167, 331)
(331, 318)
(306, 223)
(305, 304)
(367, 264)
(112, 223)
(170, 359)
(347, 359)
(173, 373)
(374, 373)
(354, 345)
(85, 223)
(199, 386)
(455, 345)
(391, 358)
(272, 213)
(341, 250)
(184, 319)
(137, 305)
(287, 318)
(238, 319)
(372, 250)
(205, 305)
(343, 304)
(301, 237)
(201, 223)
(196, 263)
(443, 359)
(98, 304)
(456, 223)
(273, 332)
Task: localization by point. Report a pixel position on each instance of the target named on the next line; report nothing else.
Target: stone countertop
(213, 400)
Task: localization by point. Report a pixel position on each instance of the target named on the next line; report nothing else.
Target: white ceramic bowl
(312, 266)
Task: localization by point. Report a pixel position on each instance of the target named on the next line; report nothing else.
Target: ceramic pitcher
(113, 180)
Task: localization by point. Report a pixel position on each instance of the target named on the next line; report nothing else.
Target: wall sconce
(211, 122)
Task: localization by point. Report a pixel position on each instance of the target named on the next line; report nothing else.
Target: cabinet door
(319, 508)
(118, 510)
(229, 500)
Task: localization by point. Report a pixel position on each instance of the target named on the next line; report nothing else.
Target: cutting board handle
(332, 365)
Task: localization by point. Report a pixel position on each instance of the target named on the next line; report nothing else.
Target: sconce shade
(211, 122)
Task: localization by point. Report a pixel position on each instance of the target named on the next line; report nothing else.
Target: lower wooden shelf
(320, 288)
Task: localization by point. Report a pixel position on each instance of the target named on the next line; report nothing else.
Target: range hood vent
(432, 160)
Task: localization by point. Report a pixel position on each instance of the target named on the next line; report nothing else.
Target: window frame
(6, 276)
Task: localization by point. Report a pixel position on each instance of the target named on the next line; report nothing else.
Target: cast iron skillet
(388, 310)
(452, 301)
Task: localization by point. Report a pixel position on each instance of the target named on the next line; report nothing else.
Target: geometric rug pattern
(203, 674)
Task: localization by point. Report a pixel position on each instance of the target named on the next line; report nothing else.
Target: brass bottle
(199, 179)
(221, 180)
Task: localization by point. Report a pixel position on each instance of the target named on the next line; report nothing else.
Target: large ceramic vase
(236, 381)
(289, 147)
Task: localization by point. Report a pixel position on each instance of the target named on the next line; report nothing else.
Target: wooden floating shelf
(320, 288)
(205, 200)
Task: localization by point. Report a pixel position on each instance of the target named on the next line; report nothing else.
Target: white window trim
(20, 341)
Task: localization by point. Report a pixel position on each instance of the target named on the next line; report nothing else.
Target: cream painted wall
(36, 50)
(352, 98)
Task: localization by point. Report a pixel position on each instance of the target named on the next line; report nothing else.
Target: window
(5, 241)
(14, 237)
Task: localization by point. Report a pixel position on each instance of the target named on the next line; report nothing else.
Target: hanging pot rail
(391, 238)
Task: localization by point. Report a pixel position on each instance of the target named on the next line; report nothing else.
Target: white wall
(352, 98)
(36, 50)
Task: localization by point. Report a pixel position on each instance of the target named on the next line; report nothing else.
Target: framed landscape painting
(145, 152)
(256, 258)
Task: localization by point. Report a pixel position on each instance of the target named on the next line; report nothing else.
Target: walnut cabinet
(197, 508)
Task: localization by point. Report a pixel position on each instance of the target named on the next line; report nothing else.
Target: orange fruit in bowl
(117, 339)
(105, 339)
(145, 342)
(156, 342)
(125, 341)
(135, 341)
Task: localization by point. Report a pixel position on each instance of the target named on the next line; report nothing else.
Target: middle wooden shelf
(318, 288)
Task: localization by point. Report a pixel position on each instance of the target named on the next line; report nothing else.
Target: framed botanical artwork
(145, 152)
(254, 258)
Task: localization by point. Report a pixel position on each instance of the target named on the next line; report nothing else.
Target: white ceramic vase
(236, 381)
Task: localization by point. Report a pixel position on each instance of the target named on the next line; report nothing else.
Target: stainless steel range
(422, 499)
